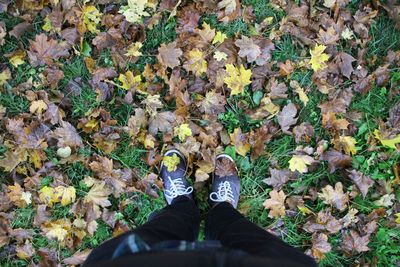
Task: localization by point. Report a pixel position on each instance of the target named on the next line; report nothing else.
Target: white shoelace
(178, 188)
(223, 194)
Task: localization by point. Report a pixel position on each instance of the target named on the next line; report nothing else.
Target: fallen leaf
(346, 143)
(320, 246)
(77, 258)
(353, 242)
(391, 143)
(335, 196)
(44, 51)
(237, 78)
(336, 160)
(133, 50)
(318, 58)
(168, 55)
(38, 106)
(276, 204)
(362, 181)
(98, 195)
(287, 117)
(135, 10)
(248, 49)
(278, 178)
(385, 200)
(299, 163)
(219, 37)
(238, 139)
(182, 131)
(171, 162)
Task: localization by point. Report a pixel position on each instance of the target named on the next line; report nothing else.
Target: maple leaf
(128, 80)
(228, 5)
(67, 135)
(17, 195)
(318, 57)
(213, 103)
(98, 194)
(219, 38)
(352, 241)
(91, 18)
(44, 50)
(385, 200)
(390, 142)
(248, 49)
(12, 158)
(183, 131)
(57, 229)
(196, 62)
(238, 139)
(4, 76)
(219, 56)
(335, 196)
(286, 117)
(320, 246)
(362, 181)
(299, 163)
(336, 160)
(17, 58)
(168, 55)
(161, 122)
(25, 251)
(38, 106)
(133, 50)
(276, 204)
(171, 162)
(135, 10)
(59, 194)
(237, 78)
(278, 178)
(346, 143)
(344, 61)
(77, 258)
(225, 167)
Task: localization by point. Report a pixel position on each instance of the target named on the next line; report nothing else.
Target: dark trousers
(181, 221)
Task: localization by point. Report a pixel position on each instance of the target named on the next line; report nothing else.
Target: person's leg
(178, 221)
(226, 224)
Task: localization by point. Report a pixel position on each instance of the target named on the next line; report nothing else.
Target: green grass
(14, 104)
(235, 27)
(384, 36)
(286, 49)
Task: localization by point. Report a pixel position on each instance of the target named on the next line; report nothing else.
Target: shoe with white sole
(174, 180)
(225, 183)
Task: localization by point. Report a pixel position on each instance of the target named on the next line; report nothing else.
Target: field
(304, 96)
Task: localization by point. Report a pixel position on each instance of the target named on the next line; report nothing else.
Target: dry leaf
(276, 204)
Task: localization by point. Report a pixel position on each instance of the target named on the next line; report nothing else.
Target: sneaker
(175, 182)
(225, 182)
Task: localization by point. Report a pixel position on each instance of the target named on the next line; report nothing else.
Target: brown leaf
(303, 132)
(20, 29)
(286, 117)
(43, 51)
(336, 160)
(344, 62)
(276, 204)
(25, 251)
(266, 46)
(324, 221)
(98, 194)
(213, 103)
(353, 242)
(161, 122)
(278, 178)
(78, 258)
(41, 215)
(103, 73)
(109, 217)
(239, 140)
(320, 246)
(67, 136)
(248, 49)
(335, 196)
(53, 76)
(225, 167)
(168, 55)
(362, 181)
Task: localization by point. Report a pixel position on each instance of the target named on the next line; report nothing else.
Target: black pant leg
(226, 224)
(178, 221)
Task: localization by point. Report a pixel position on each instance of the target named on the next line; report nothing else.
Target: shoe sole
(169, 152)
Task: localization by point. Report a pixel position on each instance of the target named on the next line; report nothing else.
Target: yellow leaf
(47, 26)
(56, 230)
(35, 157)
(318, 57)
(60, 194)
(27, 197)
(219, 38)
(397, 218)
(304, 210)
(135, 10)
(220, 56)
(65, 195)
(237, 78)
(171, 162)
(148, 141)
(4, 76)
(346, 143)
(17, 58)
(347, 34)
(302, 95)
(276, 204)
(267, 105)
(91, 17)
(299, 163)
(133, 50)
(238, 139)
(391, 143)
(196, 62)
(37, 106)
(128, 80)
(98, 195)
(183, 131)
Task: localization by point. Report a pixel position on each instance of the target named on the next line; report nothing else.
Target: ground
(83, 122)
